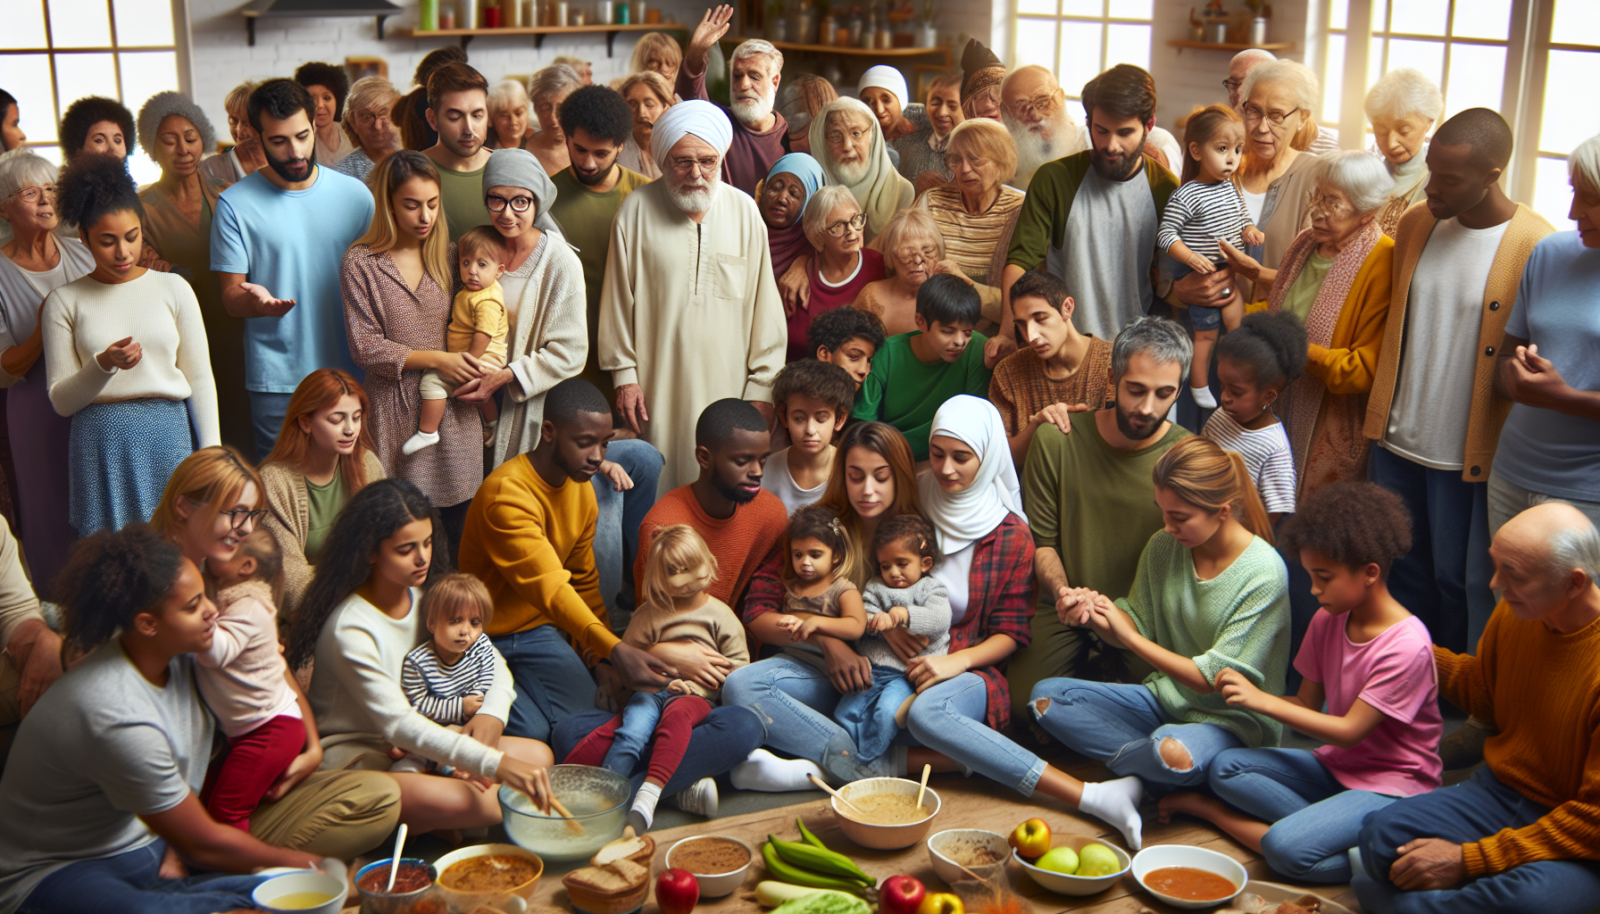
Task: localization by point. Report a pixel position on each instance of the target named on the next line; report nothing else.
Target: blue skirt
(120, 456)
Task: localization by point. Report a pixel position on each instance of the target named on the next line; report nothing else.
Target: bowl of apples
(1068, 865)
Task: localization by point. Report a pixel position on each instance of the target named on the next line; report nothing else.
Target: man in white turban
(689, 312)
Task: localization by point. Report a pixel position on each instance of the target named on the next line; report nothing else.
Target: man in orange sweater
(1524, 833)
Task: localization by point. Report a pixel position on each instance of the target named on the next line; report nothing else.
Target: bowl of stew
(1189, 877)
(414, 890)
(488, 875)
(889, 818)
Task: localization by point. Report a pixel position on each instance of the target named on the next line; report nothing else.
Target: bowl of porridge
(889, 817)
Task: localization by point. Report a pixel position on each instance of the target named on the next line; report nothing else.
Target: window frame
(1105, 21)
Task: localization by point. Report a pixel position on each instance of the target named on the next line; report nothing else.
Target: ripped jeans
(1124, 726)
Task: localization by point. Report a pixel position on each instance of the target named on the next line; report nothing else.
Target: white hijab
(962, 518)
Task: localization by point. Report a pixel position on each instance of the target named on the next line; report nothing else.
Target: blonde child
(446, 677)
(1254, 364)
(676, 607)
(478, 327)
(818, 597)
(1207, 208)
(902, 595)
(247, 685)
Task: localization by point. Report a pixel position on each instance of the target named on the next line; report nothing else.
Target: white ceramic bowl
(505, 900)
(718, 884)
(884, 837)
(1164, 855)
(298, 883)
(942, 844)
(1063, 884)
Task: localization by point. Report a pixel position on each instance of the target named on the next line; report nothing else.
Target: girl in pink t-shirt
(1371, 663)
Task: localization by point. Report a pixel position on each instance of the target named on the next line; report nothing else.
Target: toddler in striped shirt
(446, 677)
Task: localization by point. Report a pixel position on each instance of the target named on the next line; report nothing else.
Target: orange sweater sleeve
(1349, 369)
(1570, 831)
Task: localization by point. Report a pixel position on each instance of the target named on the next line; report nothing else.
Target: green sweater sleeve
(1041, 487)
(1246, 639)
(869, 399)
(1042, 221)
(978, 374)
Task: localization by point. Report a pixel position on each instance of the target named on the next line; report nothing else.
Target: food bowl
(596, 797)
(377, 901)
(714, 885)
(504, 897)
(1063, 884)
(1165, 855)
(302, 884)
(884, 837)
(945, 851)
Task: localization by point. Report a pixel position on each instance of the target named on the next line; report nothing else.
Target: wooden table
(967, 803)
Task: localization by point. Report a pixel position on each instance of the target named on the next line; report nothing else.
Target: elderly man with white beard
(1033, 107)
(754, 71)
(689, 312)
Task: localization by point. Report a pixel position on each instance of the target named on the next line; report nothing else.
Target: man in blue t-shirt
(277, 240)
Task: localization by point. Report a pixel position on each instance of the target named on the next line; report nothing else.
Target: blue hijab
(790, 242)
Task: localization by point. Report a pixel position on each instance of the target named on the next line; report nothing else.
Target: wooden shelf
(1229, 45)
(799, 48)
(540, 31)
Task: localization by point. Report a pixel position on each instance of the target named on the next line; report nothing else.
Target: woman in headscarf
(850, 146)
(782, 200)
(980, 86)
(883, 89)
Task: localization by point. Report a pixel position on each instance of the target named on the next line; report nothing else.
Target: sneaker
(701, 799)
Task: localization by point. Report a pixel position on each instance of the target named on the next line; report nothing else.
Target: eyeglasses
(497, 204)
(1041, 105)
(238, 517)
(1253, 114)
(856, 223)
(1232, 85)
(32, 195)
(684, 165)
(377, 116)
(915, 256)
(1327, 205)
(837, 137)
(954, 161)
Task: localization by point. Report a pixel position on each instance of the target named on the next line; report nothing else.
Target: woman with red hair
(324, 456)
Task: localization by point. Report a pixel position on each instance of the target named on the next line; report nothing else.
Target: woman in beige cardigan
(323, 457)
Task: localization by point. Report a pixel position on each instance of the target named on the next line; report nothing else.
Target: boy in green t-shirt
(914, 373)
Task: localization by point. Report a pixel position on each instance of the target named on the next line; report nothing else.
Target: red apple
(941, 903)
(1032, 838)
(677, 891)
(900, 895)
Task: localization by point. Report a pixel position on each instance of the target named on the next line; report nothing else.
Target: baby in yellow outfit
(478, 327)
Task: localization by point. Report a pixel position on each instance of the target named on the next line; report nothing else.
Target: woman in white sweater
(358, 620)
(124, 347)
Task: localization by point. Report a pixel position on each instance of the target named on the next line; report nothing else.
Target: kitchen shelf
(797, 47)
(540, 31)
(1234, 46)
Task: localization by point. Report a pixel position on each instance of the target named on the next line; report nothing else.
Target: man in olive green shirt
(1089, 498)
(458, 108)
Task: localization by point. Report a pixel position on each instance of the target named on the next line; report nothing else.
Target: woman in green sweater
(1210, 594)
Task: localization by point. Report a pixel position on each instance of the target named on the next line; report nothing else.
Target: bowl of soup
(303, 892)
(719, 863)
(488, 874)
(596, 797)
(414, 891)
(1189, 877)
(888, 817)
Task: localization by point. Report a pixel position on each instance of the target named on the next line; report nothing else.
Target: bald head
(1239, 68)
(1546, 560)
(1025, 85)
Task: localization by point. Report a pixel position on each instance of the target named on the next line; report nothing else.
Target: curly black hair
(93, 186)
(330, 77)
(1354, 523)
(84, 113)
(1271, 344)
(111, 577)
(599, 111)
(833, 329)
(911, 530)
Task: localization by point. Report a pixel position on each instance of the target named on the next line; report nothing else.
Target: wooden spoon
(823, 786)
(926, 770)
(573, 825)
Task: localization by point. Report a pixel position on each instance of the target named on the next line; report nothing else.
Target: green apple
(1097, 860)
(1061, 860)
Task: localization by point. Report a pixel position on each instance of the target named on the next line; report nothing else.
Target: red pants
(678, 718)
(249, 766)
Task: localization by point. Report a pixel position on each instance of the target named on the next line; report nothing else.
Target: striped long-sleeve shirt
(1198, 214)
(436, 690)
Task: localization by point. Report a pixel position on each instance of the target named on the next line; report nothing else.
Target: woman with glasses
(835, 226)
(370, 125)
(914, 250)
(323, 457)
(847, 141)
(977, 212)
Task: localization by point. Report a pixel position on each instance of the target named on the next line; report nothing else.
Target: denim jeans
(1123, 725)
(128, 883)
(616, 535)
(722, 740)
(552, 681)
(868, 716)
(1467, 812)
(950, 719)
(266, 417)
(638, 725)
(1315, 819)
(1444, 579)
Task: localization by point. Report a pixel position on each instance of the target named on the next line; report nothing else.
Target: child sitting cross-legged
(813, 400)
(849, 338)
(447, 677)
(675, 607)
(1366, 660)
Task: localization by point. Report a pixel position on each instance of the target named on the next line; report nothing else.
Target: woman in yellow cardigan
(1336, 278)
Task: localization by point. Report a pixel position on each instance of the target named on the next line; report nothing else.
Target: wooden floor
(967, 803)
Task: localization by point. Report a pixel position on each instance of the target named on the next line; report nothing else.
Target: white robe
(691, 313)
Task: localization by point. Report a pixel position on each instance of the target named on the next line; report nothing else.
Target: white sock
(644, 802)
(1202, 397)
(419, 441)
(767, 773)
(1116, 802)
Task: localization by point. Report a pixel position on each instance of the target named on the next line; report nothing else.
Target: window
(55, 51)
(1079, 39)
(1571, 66)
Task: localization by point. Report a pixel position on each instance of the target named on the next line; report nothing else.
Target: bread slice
(630, 871)
(617, 888)
(639, 850)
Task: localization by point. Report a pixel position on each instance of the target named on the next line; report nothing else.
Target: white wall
(1186, 77)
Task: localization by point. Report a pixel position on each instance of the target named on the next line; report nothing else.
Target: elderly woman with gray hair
(1402, 108)
(369, 123)
(177, 221)
(550, 88)
(836, 227)
(509, 114)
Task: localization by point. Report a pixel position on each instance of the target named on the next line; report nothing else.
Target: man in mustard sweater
(529, 536)
(1524, 833)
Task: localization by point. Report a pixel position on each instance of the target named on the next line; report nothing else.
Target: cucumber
(772, 893)
(825, 902)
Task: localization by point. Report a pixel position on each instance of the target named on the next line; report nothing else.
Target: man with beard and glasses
(689, 311)
(759, 132)
(1087, 494)
(1033, 107)
(1091, 218)
(458, 108)
(277, 239)
(597, 123)
(529, 536)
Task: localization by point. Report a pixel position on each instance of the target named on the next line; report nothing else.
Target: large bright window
(1571, 72)
(55, 51)
(1079, 39)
